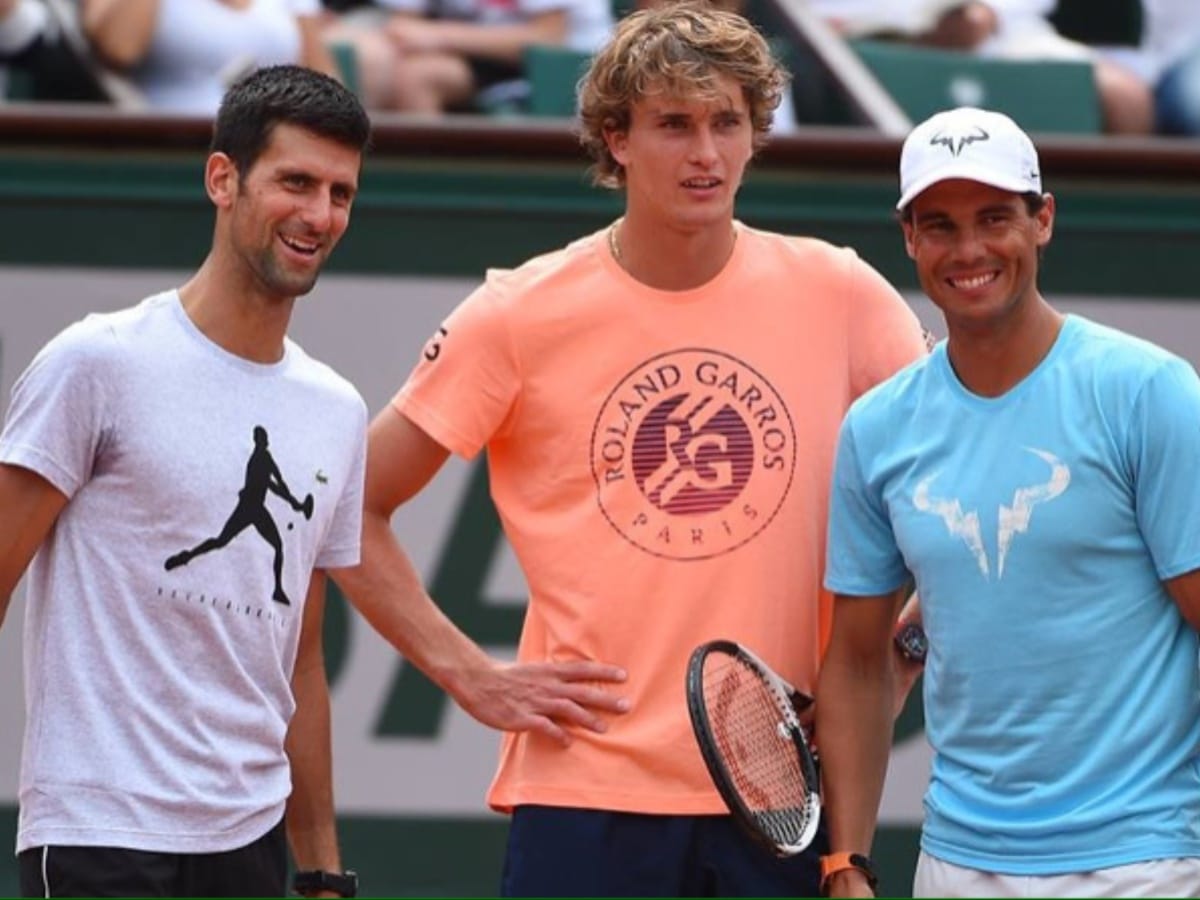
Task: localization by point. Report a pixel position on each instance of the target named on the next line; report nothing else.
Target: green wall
(423, 216)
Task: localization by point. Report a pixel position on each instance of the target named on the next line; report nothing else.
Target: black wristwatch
(911, 642)
(344, 884)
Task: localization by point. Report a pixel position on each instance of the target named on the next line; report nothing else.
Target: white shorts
(1156, 878)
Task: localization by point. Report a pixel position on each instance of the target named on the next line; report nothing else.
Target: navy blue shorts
(566, 852)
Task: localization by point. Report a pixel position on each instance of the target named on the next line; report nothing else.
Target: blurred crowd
(1145, 54)
(437, 56)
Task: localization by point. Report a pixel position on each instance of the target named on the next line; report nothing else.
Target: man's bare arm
(855, 699)
(1185, 591)
(386, 589)
(29, 507)
(311, 827)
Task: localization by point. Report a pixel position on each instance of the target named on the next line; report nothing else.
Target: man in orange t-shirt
(660, 404)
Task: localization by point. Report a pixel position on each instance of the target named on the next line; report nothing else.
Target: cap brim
(968, 172)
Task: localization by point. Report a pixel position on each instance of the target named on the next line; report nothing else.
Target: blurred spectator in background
(183, 54)
(949, 24)
(1000, 29)
(1168, 58)
(41, 41)
(22, 23)
(432, 56)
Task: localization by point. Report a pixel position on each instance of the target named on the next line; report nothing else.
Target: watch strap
(833, 863)
(314, 881)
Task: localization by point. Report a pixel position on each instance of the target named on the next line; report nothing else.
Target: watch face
(912, 643)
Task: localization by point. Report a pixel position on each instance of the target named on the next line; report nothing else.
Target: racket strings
(755, 741)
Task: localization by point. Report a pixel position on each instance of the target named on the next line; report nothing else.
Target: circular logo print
(693, 454)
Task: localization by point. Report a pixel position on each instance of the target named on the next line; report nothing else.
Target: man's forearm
(549, 697)
(387, 591)
(311, 827)
(854, 727)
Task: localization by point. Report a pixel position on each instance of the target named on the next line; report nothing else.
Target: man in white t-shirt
(176, 712)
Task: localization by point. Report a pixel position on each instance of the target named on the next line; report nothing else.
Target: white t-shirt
(200, 47)
(158, 699)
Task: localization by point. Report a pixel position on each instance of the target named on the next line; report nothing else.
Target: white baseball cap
(975, 144)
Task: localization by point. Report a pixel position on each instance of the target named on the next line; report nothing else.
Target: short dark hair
(286, 95)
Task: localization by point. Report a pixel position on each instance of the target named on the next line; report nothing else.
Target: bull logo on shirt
(1011, 520)
(955, 141)
(693, 453)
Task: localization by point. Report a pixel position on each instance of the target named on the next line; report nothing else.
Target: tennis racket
(746, 723)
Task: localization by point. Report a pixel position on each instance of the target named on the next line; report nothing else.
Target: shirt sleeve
(885, 335)
(57, 419)
(464, 388)
(861, 557)
(1164, 447)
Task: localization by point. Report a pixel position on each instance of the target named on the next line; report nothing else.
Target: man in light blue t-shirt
(1035, 477)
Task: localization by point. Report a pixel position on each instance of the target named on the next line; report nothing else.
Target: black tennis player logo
(262, 475)
(693, 454)
(954, 141)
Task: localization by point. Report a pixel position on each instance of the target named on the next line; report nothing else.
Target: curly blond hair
(677, 49)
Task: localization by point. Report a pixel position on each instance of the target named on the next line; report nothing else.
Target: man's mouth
(972, 282)
(300, 245)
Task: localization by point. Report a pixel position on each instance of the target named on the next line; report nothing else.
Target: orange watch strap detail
(833, 863)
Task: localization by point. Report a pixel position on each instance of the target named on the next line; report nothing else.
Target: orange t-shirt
(661, 463)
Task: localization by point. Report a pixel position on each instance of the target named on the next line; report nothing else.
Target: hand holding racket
(746, 722)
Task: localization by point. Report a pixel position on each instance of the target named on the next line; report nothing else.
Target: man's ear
(1045, 221)
(906, 227)
(618, 142)
(221, 180)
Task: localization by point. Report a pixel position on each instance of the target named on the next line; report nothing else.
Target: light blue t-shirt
(1062, 693)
